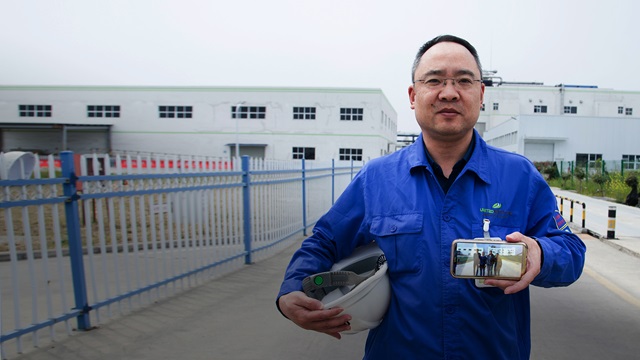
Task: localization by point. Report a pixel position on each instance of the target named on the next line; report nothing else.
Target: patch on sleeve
(561, 223)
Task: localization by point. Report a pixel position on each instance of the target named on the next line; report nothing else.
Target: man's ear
(412, 97)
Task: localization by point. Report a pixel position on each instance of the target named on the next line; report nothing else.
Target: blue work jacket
(397, 201)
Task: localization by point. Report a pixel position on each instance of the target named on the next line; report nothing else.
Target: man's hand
(533, 266)
(309, 314)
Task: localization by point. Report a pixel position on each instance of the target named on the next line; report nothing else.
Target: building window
(631, 162)
(620, 110)
(304, 113)
(351, 154)
(248, 112)
(108, 111)
(35, 110)
(583, 159)
(540, 109)
(570, 109)
(307, 153)
(628, 111)
(176, 111)
(351, 114)
(496, 106)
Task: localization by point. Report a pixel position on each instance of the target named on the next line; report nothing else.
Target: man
(415, 202)
(490, 263)
(476, 262)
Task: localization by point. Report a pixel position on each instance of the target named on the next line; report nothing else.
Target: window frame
(26, 110)
(583, 158)
(304, 113)
(631, 162)
(351, 114)
(540, 109)
(175, 111)
(248, 112)
(103, 111)
(347, 154)
(303, 152)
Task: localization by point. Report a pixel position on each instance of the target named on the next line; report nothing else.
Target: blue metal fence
(129, 237)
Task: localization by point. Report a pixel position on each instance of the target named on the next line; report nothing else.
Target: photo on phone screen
(488, 259)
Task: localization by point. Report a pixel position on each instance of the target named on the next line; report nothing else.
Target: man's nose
(449, 92)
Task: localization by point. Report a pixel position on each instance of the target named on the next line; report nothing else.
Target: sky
(297, 43)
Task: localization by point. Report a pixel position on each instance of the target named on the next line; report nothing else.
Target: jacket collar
(478, 163)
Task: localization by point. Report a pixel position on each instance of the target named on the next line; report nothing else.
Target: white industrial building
(563, 122)
(266, 122)
(544, 123)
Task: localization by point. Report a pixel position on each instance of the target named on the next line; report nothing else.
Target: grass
(614, 186)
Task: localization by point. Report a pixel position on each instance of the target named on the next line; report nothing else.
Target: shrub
(580, 174)
(600, 179)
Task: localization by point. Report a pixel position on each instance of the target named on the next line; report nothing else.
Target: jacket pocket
(399, 237)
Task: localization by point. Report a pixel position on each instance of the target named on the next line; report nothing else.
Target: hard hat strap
(319, 285)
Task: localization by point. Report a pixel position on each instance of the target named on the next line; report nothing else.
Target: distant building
(560, 123)
(564, 123)
(266, 122)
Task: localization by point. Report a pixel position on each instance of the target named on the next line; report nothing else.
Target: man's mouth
(448, 111)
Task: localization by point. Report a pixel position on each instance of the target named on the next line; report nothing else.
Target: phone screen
(488, 259)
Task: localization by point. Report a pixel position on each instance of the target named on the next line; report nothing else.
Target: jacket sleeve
(563, 251)
(334, 237)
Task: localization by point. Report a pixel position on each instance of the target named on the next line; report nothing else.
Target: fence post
(351, 168)
(333, 181)
(246, 208)
(611, 224)
(586, 172)
(562, 206)
(75, 240)
(571, 212)
(304, 199)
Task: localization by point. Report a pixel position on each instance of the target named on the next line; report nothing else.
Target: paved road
(235, 318)
(230, 318)
(597, 215)
(598, 317)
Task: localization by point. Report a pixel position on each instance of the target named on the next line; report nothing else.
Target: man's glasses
(460, 83)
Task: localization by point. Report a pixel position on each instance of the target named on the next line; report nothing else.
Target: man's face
(446, 112)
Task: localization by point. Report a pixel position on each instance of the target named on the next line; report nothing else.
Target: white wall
(212, 127)
(597, 128)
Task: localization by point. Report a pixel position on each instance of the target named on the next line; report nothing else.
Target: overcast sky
(329, 43)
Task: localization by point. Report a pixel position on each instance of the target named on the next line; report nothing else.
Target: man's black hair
(444, 38)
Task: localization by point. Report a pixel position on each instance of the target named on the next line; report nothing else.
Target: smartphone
(484, 258)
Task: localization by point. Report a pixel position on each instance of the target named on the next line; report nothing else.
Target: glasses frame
(443, 82)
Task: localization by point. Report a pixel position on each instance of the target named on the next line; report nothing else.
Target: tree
(565, 176)
(580, 175)
(600, 179)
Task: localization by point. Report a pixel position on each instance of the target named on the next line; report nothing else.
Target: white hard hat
(359, 284)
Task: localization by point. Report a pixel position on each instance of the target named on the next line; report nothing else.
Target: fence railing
(572, 201)
(590, 168)
(88, 238)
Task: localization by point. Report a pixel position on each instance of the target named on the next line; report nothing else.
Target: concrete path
(235, 317)
(627, 224)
